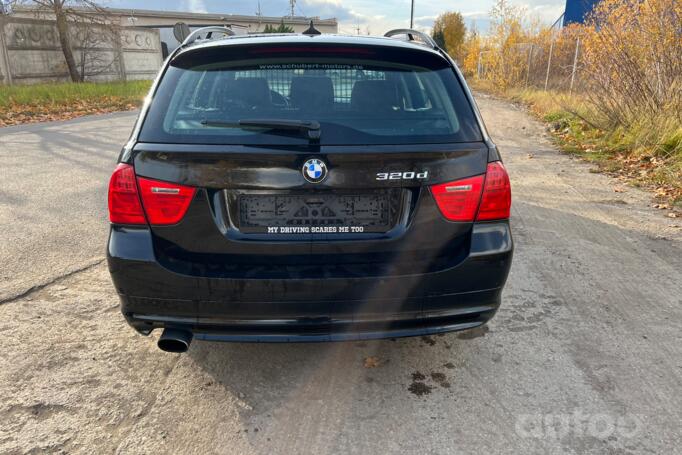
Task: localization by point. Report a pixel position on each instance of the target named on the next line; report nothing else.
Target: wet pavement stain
(428, 340)
(419, 389)
(473, 333)
(417, 376)
(440, 379)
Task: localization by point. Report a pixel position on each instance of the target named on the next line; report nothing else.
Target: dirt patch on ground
(419, 389)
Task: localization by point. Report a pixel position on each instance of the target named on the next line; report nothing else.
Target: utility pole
(549, 60)
(412, 15)
(259, 15)
(575, 65)
(530, 58)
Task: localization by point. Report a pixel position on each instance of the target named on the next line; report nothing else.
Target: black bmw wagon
(288, 188)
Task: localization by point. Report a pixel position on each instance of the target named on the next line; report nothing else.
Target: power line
(300, 10)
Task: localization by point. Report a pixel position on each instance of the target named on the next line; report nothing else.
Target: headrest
(312, 92)
(375, 95)
(254, 92)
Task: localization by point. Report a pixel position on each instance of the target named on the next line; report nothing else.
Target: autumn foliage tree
(628, 56)
(449, 32)
(632, 59)
(615, 81)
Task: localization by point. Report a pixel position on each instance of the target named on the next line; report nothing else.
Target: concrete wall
(30, 52)
(160, 19)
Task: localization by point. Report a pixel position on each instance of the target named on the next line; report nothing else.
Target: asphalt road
(585, 355)
(53, 204)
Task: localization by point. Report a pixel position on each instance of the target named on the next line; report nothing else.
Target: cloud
(196, 6)
(547, 13)
(379, 16)
(329, 8)
(476, 14)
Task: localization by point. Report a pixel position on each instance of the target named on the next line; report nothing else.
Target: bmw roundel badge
(314, 170)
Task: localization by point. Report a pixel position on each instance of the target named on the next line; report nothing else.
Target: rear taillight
(164, 203)
(496, 199)
(140, 200)
(488, 195)
(124, 201)
(458, 200)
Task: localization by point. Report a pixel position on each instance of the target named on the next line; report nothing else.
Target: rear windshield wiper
(309, 126)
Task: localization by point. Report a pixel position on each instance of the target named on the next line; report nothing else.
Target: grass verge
(44, 102)
(647, 154)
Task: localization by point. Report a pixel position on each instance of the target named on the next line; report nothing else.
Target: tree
(449, 32)
(83, 17)
(471, 52)
(438, 36)
(281, 28)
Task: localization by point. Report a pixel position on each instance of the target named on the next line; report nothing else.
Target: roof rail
(208, 31)
(412, 35)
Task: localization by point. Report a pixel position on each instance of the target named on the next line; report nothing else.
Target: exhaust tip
(174, 340)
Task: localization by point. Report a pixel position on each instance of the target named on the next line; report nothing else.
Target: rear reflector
(496, 200)
(164, 203)
(458, 200)
(124, 201)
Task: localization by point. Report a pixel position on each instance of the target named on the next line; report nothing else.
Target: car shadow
(276, 376)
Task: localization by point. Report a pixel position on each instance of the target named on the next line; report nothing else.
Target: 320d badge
(402, 175)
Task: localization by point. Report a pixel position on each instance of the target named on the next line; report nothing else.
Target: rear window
(356, 100)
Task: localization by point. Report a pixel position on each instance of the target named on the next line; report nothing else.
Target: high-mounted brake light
(489, 195)
(333, 50)
(124, 200)
(164, 203)
(496, 199)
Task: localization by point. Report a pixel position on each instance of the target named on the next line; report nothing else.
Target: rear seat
(312, 93)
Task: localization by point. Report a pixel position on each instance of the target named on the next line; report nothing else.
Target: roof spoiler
(413, 36)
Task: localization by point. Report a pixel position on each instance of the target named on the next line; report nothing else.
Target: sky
(370, 16)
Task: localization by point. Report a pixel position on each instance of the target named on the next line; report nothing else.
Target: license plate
(314, 214)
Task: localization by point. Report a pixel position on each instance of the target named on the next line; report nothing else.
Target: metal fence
(553, 64)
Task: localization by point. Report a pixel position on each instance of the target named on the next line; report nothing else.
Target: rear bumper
(321, 309)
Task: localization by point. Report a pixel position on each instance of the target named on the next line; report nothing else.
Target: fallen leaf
(672, 215)
(372, 362)
(618, 190)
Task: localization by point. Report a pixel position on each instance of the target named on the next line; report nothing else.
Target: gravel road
(585, 355)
